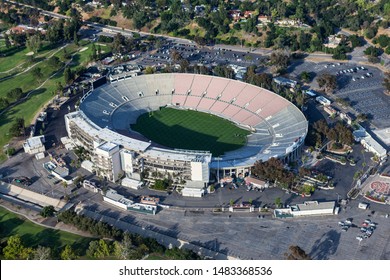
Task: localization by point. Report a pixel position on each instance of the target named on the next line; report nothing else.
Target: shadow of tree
(8, 227)
(326, 245)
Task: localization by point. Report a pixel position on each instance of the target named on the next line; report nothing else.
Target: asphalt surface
(362, 88)
(257, 235)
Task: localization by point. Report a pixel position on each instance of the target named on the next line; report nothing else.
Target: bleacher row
(277, 123)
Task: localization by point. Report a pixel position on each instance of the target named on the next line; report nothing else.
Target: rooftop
(254, 181)
(107, 146)
(315, 205)
(36, 141)
(114, 195)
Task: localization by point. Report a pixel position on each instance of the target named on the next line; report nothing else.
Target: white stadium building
(102, 125)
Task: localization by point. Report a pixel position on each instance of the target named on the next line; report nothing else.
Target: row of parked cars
(22, 180)
(345, 225)
(367, 228)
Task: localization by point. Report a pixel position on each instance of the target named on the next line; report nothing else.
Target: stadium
(103, 125)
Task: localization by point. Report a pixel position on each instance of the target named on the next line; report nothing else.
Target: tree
(7, 41)
(3, 102)
(184, 64)
(99, 249)
(42, 253)
(94, 54)
(372, 54)
(278, 202)
(68, 75)
(305, 76)
(149, 70)
(48, 211)
(280, 60)
(75, 38)
(118, 43)
(68, 253)
(54, 62)
(296, 253)
(386, 82)
(37, 73)
(34, 43)
(124, 249)
(15, 94)
(59, 88)
(327, 81)
(176, 56)
(15, 250)
(17, 128)
(273, 170)
(355, 40)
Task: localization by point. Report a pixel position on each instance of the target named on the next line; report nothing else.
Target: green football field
(186, 129)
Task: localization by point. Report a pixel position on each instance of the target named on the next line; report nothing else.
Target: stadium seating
(182, 83)
(216, 87)
(230, 111)
(247, 95)
(232, 90)
(200, 85)
(192, 101)
(218, 107)
(205, 104)
(277, 123)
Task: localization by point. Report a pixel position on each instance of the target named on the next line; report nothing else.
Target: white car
(359, 238)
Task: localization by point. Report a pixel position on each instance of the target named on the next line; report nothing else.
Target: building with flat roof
(282, 81)
(114, 198)
(369, 143)
(256, 183)
(145, 199)
(131, 183)
(322, 100)
(307, 208)
(34, 145)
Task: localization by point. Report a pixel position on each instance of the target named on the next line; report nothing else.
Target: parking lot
(362, 88)
(204, 56)
(25, 165)
(247, 236)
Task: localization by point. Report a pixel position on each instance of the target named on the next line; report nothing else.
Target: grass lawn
(34, 104)
(186, 129)
(33, 235)
(16, 56)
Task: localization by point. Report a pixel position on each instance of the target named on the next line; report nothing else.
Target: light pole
(338, 197)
